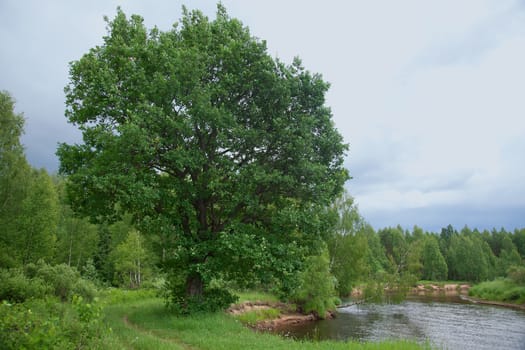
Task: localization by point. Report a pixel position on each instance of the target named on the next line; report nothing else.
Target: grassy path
(171, 342)
(145, 324)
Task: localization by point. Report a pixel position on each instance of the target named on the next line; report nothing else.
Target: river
(446, 323)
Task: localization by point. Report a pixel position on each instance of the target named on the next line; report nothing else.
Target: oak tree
(202, 136)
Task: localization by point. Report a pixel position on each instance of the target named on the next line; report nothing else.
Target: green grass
(146, 324)
(252, 317)
(256, 296)
(503, 290)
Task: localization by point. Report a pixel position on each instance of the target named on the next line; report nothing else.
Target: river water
(446, 323)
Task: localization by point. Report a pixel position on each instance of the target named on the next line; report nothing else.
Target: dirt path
(156, 335)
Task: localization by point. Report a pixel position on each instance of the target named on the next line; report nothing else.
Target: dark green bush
(517, 274)
(212, 300)
(51, 324)
(316, 293)
(17, 287)
(64, 281)
(40, 280)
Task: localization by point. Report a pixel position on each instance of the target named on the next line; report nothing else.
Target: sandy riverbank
(286, 317)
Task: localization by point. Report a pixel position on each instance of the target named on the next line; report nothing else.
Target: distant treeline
(359, 253)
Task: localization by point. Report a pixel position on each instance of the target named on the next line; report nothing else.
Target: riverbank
(146, 324)
(492, 303)
(425, 288)
(447, 289)
(269, 316)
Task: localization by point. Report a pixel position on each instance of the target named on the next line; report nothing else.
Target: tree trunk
(138, 273)
(194, 285)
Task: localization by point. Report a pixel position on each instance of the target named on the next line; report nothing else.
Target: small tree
(131, 260)
(347, 245)
(38, 220)
(15, 178)
(434, 264)
(316, 292)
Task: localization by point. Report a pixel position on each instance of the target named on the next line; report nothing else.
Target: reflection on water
(448, 323)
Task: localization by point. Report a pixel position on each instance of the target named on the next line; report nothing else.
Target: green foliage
(395, 246)
(518, 238)
(14, 179)
(50, 324)
(316, 292)
(434, 264)
(40, 280)
(467, 260)
(376, 258)
(210, 299)
(77, 238)
(28, 201)
(132, 261)
(39, 219)
(347, 246)
(517, 274)
(203, 137)
(89, 272)
(256, 295)
(65, 281)
(17, 287)
(388, 287)
(374, 290)
(508, 256)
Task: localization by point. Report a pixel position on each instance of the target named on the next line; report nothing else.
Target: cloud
(429, 95)
(481, 37)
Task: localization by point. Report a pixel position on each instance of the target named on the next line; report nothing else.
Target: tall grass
(252, 295)
(146, 324)
(503, 290)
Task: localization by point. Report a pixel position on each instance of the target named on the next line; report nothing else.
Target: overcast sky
(428, 94)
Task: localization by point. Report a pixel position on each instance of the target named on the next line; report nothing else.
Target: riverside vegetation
(213, 167)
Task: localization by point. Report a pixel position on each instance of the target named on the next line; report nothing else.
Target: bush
(517, 274)
(17, 287)
(40, 280)
(50, 324)
(212, 300)
(316, 293)
(65, 281)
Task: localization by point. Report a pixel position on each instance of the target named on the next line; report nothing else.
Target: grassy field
(145, 324)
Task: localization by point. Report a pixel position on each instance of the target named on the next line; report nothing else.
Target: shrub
(517, 274)
(65, 281)
(50, 324)
(212, 300)
(316, 293)
(17, 287)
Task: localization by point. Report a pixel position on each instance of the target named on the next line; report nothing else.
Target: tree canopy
(199, 133)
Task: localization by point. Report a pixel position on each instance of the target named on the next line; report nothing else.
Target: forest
(198, 180)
